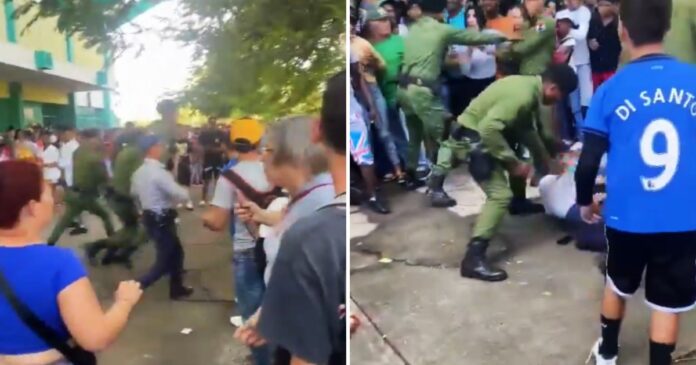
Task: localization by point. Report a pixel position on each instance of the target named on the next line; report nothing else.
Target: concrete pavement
(424, 313)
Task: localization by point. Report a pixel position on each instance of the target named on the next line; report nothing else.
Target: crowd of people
(278, 189)
(388, 137)
(527, 92)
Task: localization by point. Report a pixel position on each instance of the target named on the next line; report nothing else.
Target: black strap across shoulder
(77, 356)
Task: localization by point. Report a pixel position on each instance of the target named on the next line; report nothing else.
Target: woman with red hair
(49, 281)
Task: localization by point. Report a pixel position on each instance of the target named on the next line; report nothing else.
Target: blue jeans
(249, 290)
(576, 108)
(397, 126)
(383, 125)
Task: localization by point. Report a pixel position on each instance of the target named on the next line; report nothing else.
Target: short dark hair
(647, 21)
(333, 113)
(89, 133)
(26, 133)
(563, 76)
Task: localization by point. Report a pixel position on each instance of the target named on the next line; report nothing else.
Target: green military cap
(376, 13)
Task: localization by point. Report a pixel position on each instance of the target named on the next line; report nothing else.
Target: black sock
(610, 337)
(660, 353)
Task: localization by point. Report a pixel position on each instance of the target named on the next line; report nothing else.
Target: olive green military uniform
(127, 239)
(503, 116)
(681, 39)
(89, 176)
(424, 52)
(534, 52)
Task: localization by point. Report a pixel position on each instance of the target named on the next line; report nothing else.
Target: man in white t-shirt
(65, 163)
(580, 60)
(557, 194)
(50, 157)
(66, 151)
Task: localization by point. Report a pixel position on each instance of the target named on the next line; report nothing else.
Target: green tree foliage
(263, 57)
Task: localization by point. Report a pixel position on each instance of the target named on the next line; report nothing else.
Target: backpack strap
(246, 189)
(38, 326)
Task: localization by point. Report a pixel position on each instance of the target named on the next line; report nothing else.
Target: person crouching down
(159, 194)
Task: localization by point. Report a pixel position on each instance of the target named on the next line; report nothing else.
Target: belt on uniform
(120, 198)
(77, 190)
(433, 85)
(163, 216)
(464, 134)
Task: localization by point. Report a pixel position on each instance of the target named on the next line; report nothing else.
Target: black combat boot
(378, 205)
(411, 182)
(180, 292)
(521, 206)
(438, 196)
(92, 250)
(475, 266)
(121, 257)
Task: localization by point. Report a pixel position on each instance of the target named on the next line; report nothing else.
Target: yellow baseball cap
(249, 129)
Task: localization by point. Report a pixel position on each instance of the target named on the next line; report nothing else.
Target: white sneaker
(179, 206)
(599, 360)
(202, 203)
(189, 205)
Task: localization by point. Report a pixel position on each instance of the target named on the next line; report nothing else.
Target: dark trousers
(463, 90)
(170, 255)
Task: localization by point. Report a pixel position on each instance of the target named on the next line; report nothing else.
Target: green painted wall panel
(10, 28)
(5, 123)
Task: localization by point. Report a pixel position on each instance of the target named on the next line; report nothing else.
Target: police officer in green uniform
(535, 51)
(126, 240)
(89, 176)
(499, 119)
(680, 41)
(681, 38)
(424, 53)
(533, 54)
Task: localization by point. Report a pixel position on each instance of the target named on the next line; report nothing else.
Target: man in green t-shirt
(391, 48)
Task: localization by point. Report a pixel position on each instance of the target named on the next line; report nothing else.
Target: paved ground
(423, 313)
(153, 336)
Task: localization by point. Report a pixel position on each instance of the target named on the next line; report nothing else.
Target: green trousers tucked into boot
(75, 204)
(122, 244)
(425, 119)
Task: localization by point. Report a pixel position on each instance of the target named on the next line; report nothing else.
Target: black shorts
(669, 262)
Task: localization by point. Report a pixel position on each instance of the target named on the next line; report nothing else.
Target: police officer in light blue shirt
(158, 194)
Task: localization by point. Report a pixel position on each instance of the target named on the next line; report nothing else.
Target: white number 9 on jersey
(667, 160)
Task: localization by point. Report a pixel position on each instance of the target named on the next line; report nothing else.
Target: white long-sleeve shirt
(581, 17)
